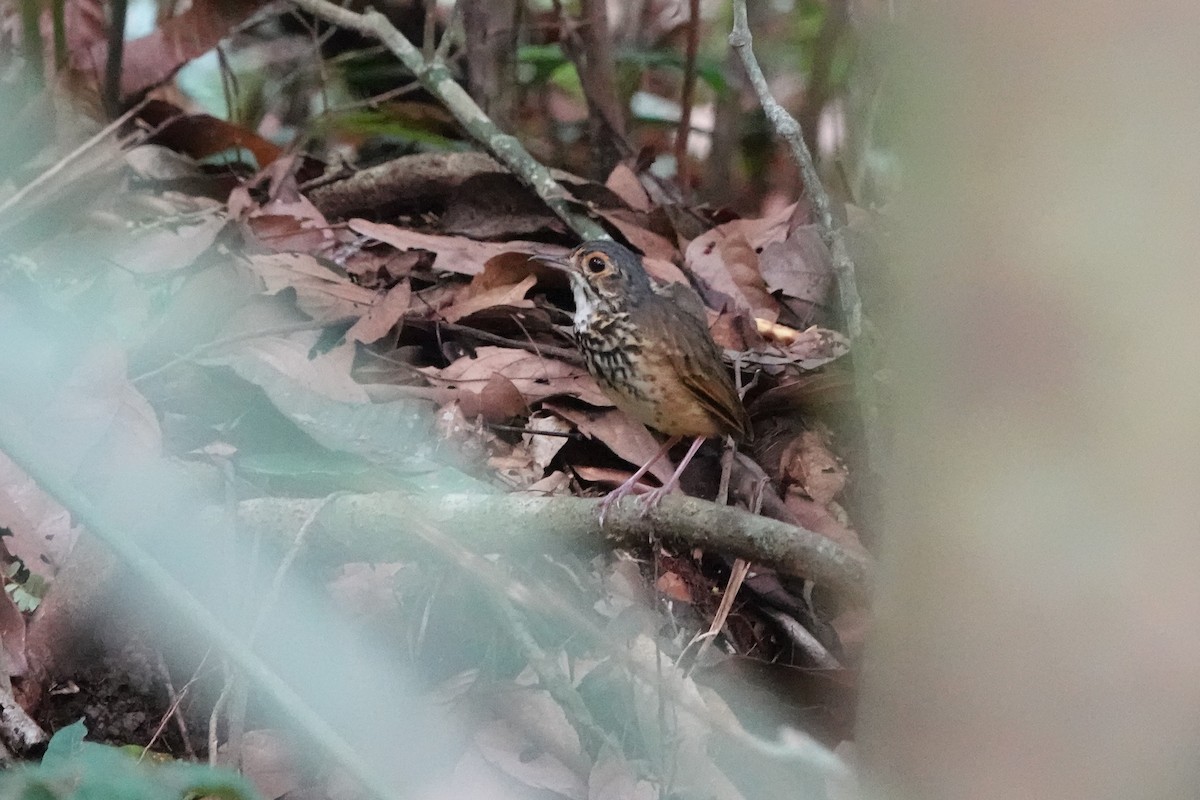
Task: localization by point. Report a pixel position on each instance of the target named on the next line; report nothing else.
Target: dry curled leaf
(806, 462)
(808, 349)
(728, 264)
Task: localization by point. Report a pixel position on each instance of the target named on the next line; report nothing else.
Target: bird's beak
(557, 262)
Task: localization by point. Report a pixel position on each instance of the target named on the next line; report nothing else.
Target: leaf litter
(421, 301)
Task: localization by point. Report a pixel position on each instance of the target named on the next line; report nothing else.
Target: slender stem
(786, 127)
(31, 37)
(116, 50)
(687, 97)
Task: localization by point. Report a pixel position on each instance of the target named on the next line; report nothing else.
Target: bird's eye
(596, 265)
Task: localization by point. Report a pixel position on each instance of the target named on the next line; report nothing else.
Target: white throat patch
(584, 307)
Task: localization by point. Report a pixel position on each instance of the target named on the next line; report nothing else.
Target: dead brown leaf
(808, 349)
(650, 243)
(366, 590)
(322, 293)
(626, 437)
(534, 742)
(665, 272)
(454, 253)
(109, 420)
(327, 374)
(808, 463)
(151, 59)
(813, 393)
(12, 637)
(536, 378)
(557, 482)
(614, 778)
(544, 448)
(728, 264)
(268, 761)
(819, 519)
(511, 295)
(624, 183)
(42, 533)
(387, 310)
(500, 400)
(800, 266)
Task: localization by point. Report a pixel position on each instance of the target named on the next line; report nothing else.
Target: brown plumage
(649, 349)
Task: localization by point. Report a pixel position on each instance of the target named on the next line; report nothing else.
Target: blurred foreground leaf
(73, 768)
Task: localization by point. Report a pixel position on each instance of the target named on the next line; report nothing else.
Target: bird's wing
(698, 362)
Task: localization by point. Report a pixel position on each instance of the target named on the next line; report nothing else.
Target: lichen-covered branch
(382, 527)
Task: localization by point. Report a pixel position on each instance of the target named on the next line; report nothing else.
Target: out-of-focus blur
(1035, 631)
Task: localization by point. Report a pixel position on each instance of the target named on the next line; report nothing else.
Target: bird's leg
(652, 499)
(627, 487)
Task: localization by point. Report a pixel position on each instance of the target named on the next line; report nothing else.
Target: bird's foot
(654, 497)
(626, 488)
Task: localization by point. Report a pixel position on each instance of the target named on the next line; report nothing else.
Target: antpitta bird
(650, 351)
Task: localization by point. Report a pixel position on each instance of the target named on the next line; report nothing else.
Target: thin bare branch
(437, 80)
(687, 98)
(786, 127)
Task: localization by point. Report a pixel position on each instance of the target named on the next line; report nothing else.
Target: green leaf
(65, 744)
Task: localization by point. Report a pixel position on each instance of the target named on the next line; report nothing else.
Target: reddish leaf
(387, 310)
(674, 587)
(625, 184)
(203, 135)
(512, 295)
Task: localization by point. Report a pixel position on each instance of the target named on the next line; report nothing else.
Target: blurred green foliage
(73, 769)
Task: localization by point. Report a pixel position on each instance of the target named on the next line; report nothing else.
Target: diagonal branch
(786, 127)
(438, 81)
